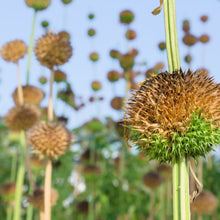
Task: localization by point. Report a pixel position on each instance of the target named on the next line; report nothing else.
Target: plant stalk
(20, 91)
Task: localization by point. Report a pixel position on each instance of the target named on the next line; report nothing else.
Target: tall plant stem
(30, 48)
(181, 208)
(20, 178)
(20, 91)
(152, 205)
(50, 105)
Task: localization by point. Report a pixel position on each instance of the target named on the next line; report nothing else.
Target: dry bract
(53, 50)
(22, 117)
(31, 94)
(49, 139)
(13, 51)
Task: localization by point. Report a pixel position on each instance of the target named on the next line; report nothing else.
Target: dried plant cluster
(175, 114)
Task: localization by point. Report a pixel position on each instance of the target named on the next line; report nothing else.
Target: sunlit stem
(20, 91)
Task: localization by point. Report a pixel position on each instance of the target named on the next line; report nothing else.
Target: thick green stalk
(30, 48)
(20, 178)
(9, 211)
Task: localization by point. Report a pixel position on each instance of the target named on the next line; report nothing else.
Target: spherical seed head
(205, 203)
(37, 198)
(91, 32)
(82, 207)
(204, 18)
(126, 61)
(162, 46)
(94, 56)
(66, 1)
(22, 117)
(113, 76)
(44, 24)
(189, 40)
(130, 35)
(13, 51)
(91, 16)
(53, 50)
(49, 139)
(31, 95)
(186, 26)
(114, 54)
(204, 38)
(38, 4)
(133, 52)
(59, 76)
(188, 58)
(172, 115)
(64, 34)
(165, 171)
(43, 80)
(117, 103)
(126, 17)
(152, 179)
(96, 85)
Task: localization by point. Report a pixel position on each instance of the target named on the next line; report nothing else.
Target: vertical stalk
(9, 211)
(20, 178)
(50, 105)
(30, 48)
(152, 205)
(20, 91)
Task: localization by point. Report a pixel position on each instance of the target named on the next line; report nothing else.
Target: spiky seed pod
(94, 56)
(37, 198)
(204, 38)
(82, 207)
(87, 154)
(91, 169)
(204, 18)
(44, 24)
(130, 34)
(172, 115)
(7, 191)
(151, 72)
(59, 76)
(162, 46)
(152, 179)
(49, 139)
(66, 1)
(186, 26)
(43, 80)
(165, 171)
(189, 40)
(91, 32)
(205, 203)
(126, 61)
(22, 117)
(53, 50)
(13, 51)
(38, 4)
(96, 85)
(126, 17)
(64, 34)
(113, 76)
(114, 54)
(31, 95)
(204, 71)
(188, 58)
(117, 103)
(133, 85)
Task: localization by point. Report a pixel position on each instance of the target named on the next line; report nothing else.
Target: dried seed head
(53, 50)
(64, 34)
(43, 80)
(94, 56)
(113, 76)
(204, 38)
(205, 203)
(82, 207)
(126, 61)
(66, 1)
(186, 26)
(44, 24)
(130, 35)
(31, 95)
(22, 117)
(37, 198)
(49, 139)
(114, 54)
(204, 18)
(171, 115)
(152, 179)
(162, 46)
(189, 40)
(96, 85)
(91, 16)
(117, 103)
(59, 76)
(38, 4)
(91, 32)
(126, 17)
(13, 51)
(188, 58)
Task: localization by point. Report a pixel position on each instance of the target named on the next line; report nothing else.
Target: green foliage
(198, 140)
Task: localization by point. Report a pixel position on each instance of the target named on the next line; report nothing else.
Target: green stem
(30, 48)
(181, 209)
(13, 167)
(20, 178)
(30, 211)
(9, 211)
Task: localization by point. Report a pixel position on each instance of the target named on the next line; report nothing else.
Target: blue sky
(16, 20)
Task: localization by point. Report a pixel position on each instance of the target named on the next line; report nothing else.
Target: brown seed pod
(59, 76)
(126, 17)
(133, 52)
(43, 80)
(186, 26)
(38, 4)
(64, 34)
(159, 66)
(82, 207)
(117, 103)
(87, 154)
(204, 18)
(130, 35)
(94, 56)
(31, 95)
(91, 32)
(49, 139)
(165, 171)
(204, 38)
(188, 58)
(150, 72)
(162, 46)
(205, 203)
(152, 179)
(126, 61)
(113, 76)
(114, 54)
(13, 51)
(91, 169)
(189, 40)
(53, 50)
(96, 85)
(37, 198)
(22, 117)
